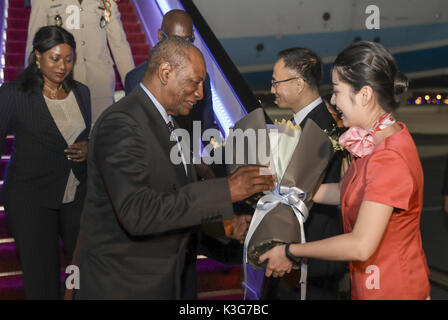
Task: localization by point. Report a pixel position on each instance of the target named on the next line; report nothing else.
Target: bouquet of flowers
(298, 159)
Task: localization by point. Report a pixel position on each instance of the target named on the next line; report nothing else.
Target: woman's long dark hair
(367, 63)
(31, 79)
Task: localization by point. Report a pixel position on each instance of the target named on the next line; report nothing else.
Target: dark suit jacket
(202, 111)
(324, 221)
(140, 209)
(39, 169)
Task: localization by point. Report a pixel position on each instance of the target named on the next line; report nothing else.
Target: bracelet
(290, 256)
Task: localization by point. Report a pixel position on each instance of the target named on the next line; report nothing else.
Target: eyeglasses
(274, 83)
(188, 38)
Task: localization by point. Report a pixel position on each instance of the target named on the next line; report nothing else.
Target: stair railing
(3, 17)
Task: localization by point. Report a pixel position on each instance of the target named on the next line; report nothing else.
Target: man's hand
(240, 226)
(246, 181)
(77, 152)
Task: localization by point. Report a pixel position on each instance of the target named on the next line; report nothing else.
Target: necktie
(170, 126)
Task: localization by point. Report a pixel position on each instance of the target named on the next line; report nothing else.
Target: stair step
(125, 7)
(136, 37)
(15, 46)
(139, 59)
(16, 34)
(4, 229)
(11, 73)
(8, 146)
(16, 3)
(215, 276)
(11, 288)
(129, 17)
(17, 13)
(132, 27)
(140, 49)
(3, 164)
(17, 23)
(15, 59)
(233, 294)
(10, 259)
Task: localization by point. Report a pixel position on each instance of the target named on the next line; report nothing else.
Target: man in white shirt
(295, 84)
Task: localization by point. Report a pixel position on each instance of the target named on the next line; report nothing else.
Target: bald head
(174, 51)
(176, 23)
(175, 75)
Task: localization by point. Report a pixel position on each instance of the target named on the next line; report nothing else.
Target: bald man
(179, 23)
(141, 209)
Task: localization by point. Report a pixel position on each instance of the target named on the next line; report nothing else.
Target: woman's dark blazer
(39, 169)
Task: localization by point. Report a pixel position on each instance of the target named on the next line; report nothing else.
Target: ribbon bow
(360, 142)
(290, 196)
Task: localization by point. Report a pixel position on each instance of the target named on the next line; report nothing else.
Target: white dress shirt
(167, 118)
(299, 116)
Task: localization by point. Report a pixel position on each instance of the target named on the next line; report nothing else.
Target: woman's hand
(278, 263)
(77, 152)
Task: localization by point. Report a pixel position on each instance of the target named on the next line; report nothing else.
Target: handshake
(244, 182)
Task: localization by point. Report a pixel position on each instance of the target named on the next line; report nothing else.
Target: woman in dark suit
(44, 189)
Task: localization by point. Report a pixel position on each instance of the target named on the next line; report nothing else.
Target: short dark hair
(366, 63)
(173, 50)
(31, 79)
(305, 62)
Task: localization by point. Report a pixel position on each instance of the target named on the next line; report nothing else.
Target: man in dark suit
(295, 84)
(141, 209)
(179, 23)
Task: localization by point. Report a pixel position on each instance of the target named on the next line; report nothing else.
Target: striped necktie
(170, 126)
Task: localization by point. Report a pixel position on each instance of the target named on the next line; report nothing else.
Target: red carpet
(16, 32)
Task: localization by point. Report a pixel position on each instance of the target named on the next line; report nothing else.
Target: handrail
(3, 17)
(232, 98)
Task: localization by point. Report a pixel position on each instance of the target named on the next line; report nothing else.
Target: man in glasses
(295, 85)
(179, 23)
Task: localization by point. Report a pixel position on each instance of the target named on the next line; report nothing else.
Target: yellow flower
(334, 142)
(217, 144)
(287, 123)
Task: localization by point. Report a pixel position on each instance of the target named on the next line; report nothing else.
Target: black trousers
(37, 231)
